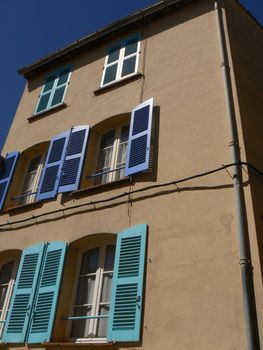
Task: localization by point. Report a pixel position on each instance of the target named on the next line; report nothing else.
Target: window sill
(46, 112)
(116, 84)
(101, 187)
(80, 343)
(21, 207)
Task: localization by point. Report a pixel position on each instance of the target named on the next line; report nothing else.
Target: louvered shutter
(6, 178)
(51, 173)
(21, 304)
(72, 167)
(138, 153)
(127, 286)
(43, 315)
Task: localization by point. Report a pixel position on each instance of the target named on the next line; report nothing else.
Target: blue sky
(31, 29)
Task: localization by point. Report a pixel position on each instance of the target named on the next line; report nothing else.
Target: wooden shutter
(138, 154)
(51, 173)
(6, 178)
(127, 285)
(44, 311)
(72, 167)
(21, 304)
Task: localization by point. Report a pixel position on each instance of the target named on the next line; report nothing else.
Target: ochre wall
(193, 294)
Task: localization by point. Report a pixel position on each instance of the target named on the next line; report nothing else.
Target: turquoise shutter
(138, 153)
(51, 172)
(23, 296)
(72, 167)
(127, 285)
(43, 315)
(6, 178)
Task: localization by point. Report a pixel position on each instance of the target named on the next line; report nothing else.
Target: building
(131, 195)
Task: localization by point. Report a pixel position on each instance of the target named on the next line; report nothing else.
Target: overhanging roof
(122, 24)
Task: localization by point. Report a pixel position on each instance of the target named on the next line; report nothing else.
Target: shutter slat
(127, 286)
(138, 153)
(6, 178)
(73, 164)
(47, 297)
(21, 304)
(51, 172)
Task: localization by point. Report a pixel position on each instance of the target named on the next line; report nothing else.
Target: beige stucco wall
(193, 295)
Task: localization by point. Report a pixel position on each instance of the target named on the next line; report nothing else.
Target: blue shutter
(5, 179)
(23, 296)
(138, 154)
(127, 285)
(72, 168)
(43, 315)
(51, 173)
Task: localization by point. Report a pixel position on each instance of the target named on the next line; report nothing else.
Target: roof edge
(89, 39)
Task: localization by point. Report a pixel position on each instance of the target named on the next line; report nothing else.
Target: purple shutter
(75, 154)
(6, 177)
(50, 177)
(138, 153)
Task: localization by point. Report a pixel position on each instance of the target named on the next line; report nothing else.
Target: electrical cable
(146, 188)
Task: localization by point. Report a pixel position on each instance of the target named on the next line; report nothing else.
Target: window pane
(131, 46)
(128, 66)
(79, 328)
(102, 179)
(89, 262)
(109, 260)
(114, 54)
(43, 102)
(3, 291)
(49, 83)
(105, 158)
(122, 152)
(102, 323)
(85, 290)
(106, 287)
(125, 133)
(107, 139)
(5, 272)
(58, 96)
(119, 174)
(29, 182)
(110, 74)
(63, 78)
(34, 163)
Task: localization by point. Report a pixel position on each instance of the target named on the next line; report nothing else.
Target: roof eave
(121, 24)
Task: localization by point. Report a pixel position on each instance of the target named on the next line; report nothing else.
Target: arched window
(93, 292)
(8, 269)
(111, 158)
(27, 175)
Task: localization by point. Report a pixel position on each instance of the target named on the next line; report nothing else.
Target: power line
(143, 189)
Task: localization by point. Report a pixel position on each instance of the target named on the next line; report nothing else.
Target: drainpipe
(250, 314)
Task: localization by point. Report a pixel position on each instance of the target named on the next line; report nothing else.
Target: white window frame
(114, 158)
(31, 198)
(9, 291)
(121, 59)
(53, 90)
(96, 294)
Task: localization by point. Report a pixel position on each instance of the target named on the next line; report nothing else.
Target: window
(54, 89)
(93, 292)
(108, 297)
(33, 303)
(122, 60)
(122, 151)
(31, 180)
(112, 155)
(7, 276)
